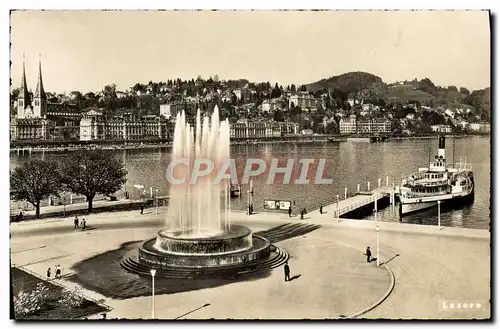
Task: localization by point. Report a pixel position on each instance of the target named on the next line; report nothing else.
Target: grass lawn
(52, 310)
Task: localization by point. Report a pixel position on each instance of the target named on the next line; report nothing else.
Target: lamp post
(338, 216)
(439, 213)
(157, 201)
(378, 255)
(153, 273)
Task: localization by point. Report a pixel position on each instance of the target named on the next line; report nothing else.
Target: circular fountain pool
(234, 246)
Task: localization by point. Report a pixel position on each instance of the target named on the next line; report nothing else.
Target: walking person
(287, 272)
(290, 211)
(48, 273)
(84, 224)
(368, 254)
(302, 213)
(76, 222)
(321, 209)
(142, 208)
(58, 272)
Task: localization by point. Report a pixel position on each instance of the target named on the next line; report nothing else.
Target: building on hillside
(303, 100)
(171, 109)
(266, 106)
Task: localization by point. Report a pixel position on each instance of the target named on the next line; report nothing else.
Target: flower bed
(38, 299)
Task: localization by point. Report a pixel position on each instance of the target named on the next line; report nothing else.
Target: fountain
(199, 233)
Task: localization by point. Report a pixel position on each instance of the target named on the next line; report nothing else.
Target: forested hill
(347, 82)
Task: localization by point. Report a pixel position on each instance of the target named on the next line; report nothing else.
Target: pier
(363, 202)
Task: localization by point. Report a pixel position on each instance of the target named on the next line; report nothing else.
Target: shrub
(31, 303)
(72, 298)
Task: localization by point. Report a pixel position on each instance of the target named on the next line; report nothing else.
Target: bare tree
(35, 181)
(93, 172)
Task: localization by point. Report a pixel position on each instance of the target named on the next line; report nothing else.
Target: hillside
(368, 86)
(481, 101)
(351, 82)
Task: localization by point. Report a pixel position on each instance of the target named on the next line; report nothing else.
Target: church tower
(23, 100)
(39, 98)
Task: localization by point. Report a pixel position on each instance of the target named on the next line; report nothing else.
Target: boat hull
(409, 208)
(406, 208)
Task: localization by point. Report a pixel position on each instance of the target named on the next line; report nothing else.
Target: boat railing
(429, 183)
(357, 205)
(423, 195)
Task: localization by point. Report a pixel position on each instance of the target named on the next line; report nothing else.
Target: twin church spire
(37, 106)
(40, 92)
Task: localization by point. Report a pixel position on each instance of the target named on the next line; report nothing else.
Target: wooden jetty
(363, 199)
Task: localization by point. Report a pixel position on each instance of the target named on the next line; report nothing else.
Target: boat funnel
(441, 149)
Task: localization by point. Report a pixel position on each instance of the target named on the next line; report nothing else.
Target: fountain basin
(259, 249)
(188, 243)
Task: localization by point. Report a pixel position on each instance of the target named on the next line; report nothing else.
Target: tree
(14, 94)
(464, 91)
(92, 172)
(428, 86)
(34, 181)
(278, 116)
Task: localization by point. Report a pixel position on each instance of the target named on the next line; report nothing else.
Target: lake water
(347, 164)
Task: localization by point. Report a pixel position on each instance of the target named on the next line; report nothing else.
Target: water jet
(199, 238)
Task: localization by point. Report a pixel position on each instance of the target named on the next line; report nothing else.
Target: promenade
(431, 268)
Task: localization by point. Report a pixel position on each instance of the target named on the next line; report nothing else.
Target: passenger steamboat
(452, 183)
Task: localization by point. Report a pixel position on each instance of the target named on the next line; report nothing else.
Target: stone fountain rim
(235, 231)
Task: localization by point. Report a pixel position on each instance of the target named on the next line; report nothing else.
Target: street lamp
(378, 255)
(157, 201)
(338, 208)
(153, 273)
(439, 213)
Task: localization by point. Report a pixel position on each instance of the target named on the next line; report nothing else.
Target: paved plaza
(424, 269)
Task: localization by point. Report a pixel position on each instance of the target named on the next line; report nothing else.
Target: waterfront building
(348, 125)
(245, 128)
(380, 126)
(95, 126)
(351, 125)
(480, 127)
(31, 122)
(441, 128)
